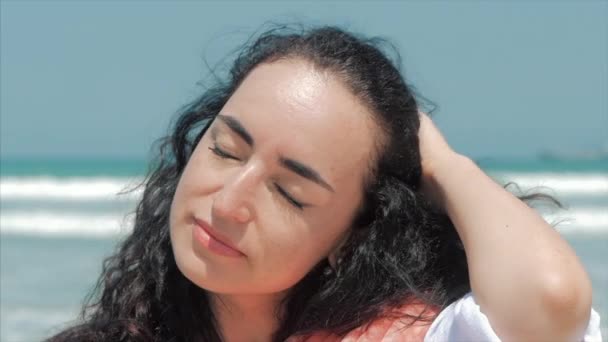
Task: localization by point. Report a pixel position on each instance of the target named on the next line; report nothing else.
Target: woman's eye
(225, 155)
(221, 153)
(290, 199)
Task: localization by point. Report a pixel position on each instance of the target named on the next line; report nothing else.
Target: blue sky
(103, 79)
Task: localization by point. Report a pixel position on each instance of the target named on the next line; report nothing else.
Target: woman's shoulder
(462, 320)
(399, 325)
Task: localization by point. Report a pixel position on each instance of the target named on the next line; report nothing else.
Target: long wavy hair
(401, 249)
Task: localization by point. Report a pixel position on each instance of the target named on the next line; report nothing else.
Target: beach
(60, 218)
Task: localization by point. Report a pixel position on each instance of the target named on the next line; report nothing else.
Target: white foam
(82, 223)
(65, 223)
(67, 189)
(588, 184)
(56, 223)
(584, 219)
(108, 188)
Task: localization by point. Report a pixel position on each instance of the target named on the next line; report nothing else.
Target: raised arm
(524, 276)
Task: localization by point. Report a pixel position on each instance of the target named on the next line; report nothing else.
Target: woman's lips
(205, 235)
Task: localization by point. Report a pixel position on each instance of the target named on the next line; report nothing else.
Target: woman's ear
(334, 256)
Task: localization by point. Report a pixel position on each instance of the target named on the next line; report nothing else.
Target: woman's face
(278, 176)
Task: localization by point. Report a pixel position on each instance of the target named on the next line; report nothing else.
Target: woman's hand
(435, 154)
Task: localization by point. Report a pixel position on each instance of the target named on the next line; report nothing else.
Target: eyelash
(289, 199)
(222, 154)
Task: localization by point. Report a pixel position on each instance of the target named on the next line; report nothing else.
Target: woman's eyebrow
(236, 126)
(304, 171)
(298, 167)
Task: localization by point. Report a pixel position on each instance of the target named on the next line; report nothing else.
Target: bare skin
(246, 190)
(290, 109)
(525, 277)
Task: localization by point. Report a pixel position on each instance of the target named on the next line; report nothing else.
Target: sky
(103, 79)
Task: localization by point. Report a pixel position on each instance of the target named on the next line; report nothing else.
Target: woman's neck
(246, 317)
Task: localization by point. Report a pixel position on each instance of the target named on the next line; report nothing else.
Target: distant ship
(594, 154)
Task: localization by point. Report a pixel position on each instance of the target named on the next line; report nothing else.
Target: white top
(464, 321)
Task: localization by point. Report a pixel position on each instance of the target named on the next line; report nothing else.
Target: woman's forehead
(304, 113)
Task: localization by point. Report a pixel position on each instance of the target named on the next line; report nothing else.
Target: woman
(306, 198)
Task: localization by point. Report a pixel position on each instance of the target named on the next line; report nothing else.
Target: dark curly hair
(401, 249)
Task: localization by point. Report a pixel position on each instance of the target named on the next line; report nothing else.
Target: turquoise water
(134, 167)
(72, 167)
(60, 218)
(535, 165)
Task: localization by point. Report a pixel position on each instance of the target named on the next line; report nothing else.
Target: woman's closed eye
(290, 198)
(221, 153)
(225, 155)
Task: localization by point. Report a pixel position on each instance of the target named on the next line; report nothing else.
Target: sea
(60, 218)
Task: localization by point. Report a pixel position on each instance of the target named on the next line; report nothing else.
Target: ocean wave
(585, 219)
(49, 223)
(580, 184)
(110, 188)
(68, 189)
(54, 223)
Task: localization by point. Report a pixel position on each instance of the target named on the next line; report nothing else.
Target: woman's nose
(234, 200)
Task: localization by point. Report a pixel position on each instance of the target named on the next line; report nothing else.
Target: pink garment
(381, 330)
